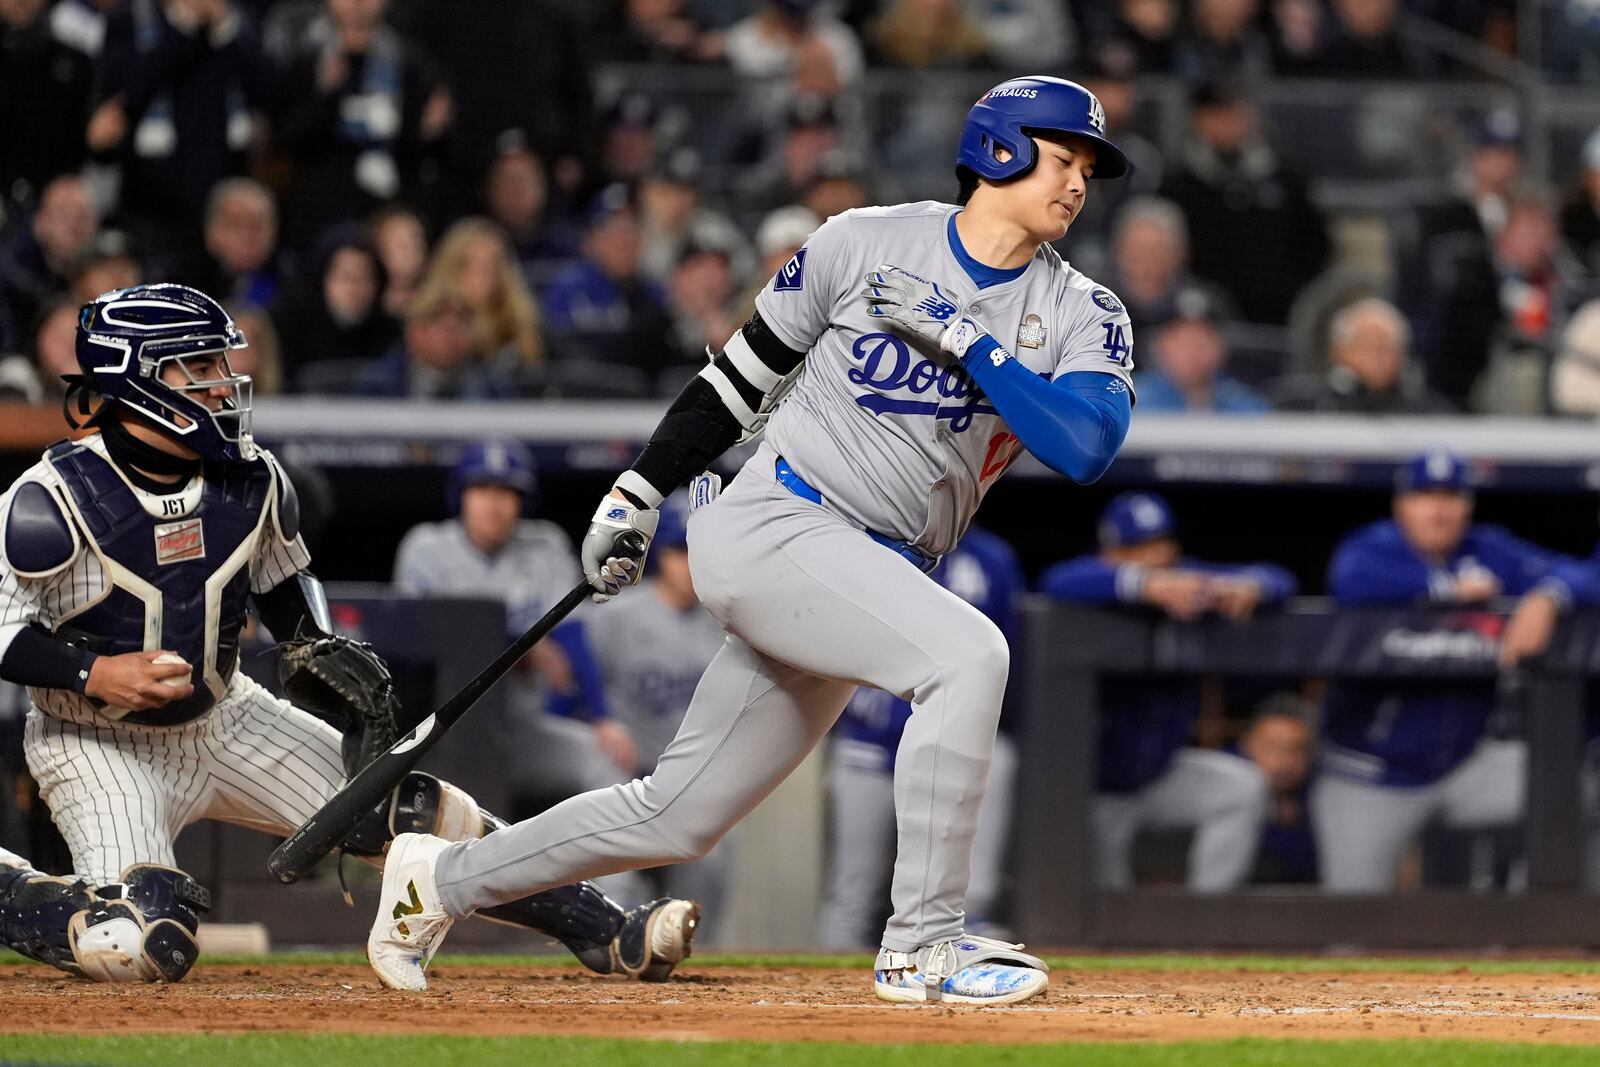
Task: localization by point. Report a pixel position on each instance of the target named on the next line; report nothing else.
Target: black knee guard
(138, 930)
(420, 804)
(142, 929)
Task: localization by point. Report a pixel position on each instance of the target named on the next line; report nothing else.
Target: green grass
(1165, 963)
(277, 1050)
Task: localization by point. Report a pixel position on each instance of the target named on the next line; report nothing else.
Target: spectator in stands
(241, 237)
(632, 137)
(1580, 215)
(261, 358)
(360, 113)
(474, 258)
(928, 34)
(1150, 250)
(1369, 368)
(774, 42)
(108, 263)
(37, 263)
(35, 376)
(673, 218)
(656, 31)
(1252, 227)
(512, 65)
(1575, 377)
(838, 185)
(438, 357)
(1396, 755)
(516, 194)
(1147, 776)
(1281, 742)
(1149, 27)
(1362, 42)
(1026, 34)
(1538, 281)
(402, 245)
(1296, 35)
(807, 139)
(180, 80)
(703, 302)
(45, 86)
(335, 315)
(603, 308)
(1223, 41)
(1449, 285)
(1190, 352)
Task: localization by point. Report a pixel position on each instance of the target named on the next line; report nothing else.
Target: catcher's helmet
(1008, 116)
(127, 337)
(494, 462)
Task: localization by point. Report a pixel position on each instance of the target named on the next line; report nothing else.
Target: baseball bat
(332, 823)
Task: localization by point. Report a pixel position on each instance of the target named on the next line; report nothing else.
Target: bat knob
(631, 544)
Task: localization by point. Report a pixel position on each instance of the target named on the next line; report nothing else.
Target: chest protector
(178, 582)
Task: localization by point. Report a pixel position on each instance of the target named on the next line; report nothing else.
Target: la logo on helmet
(1097, 113)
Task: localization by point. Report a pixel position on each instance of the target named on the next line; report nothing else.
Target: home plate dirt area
(821, 1004)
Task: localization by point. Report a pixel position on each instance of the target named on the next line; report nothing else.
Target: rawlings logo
(178, 541)
(888, 365)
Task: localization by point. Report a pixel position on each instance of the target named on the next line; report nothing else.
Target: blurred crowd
(419, 198)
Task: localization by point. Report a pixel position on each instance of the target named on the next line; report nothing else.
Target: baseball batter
(927, 344)
(127, 562)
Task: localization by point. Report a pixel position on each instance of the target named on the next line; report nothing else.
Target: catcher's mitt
(348, 682)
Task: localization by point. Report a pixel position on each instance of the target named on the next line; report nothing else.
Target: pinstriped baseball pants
(120, 793)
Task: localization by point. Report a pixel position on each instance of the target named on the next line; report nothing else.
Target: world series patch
(1031, 333)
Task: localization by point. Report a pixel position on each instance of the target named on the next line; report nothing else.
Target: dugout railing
(1070, 650)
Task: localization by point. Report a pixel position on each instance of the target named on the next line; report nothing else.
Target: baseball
(177, 681)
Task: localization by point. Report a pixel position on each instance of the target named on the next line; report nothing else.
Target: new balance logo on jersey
(792, 275)
(935, 308)
(889, 366)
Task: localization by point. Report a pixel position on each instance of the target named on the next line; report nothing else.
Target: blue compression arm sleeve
(1074, 425)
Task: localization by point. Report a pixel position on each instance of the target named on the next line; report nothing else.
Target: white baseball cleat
(411, 921)
(969, 970)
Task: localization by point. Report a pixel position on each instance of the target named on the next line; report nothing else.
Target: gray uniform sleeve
(1100, 337)
(798, 302)
(411, 575)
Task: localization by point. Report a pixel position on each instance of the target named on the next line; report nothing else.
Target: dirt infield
(796, 1004)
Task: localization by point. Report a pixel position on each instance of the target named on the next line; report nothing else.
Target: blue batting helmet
(494, 462)
(1009, 115)
(126, 340)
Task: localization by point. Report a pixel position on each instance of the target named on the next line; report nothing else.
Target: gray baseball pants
(812, 607)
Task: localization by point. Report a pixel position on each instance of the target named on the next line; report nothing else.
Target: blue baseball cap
(1436, 469)
(493, 462)
(1133, 519)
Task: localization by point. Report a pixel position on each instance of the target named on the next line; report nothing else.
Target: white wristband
(959, 337)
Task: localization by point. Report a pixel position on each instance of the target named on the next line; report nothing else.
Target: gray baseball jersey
(897, 438)
(652, 656)
(535, 569)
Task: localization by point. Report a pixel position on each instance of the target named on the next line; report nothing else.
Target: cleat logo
(403, 909)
